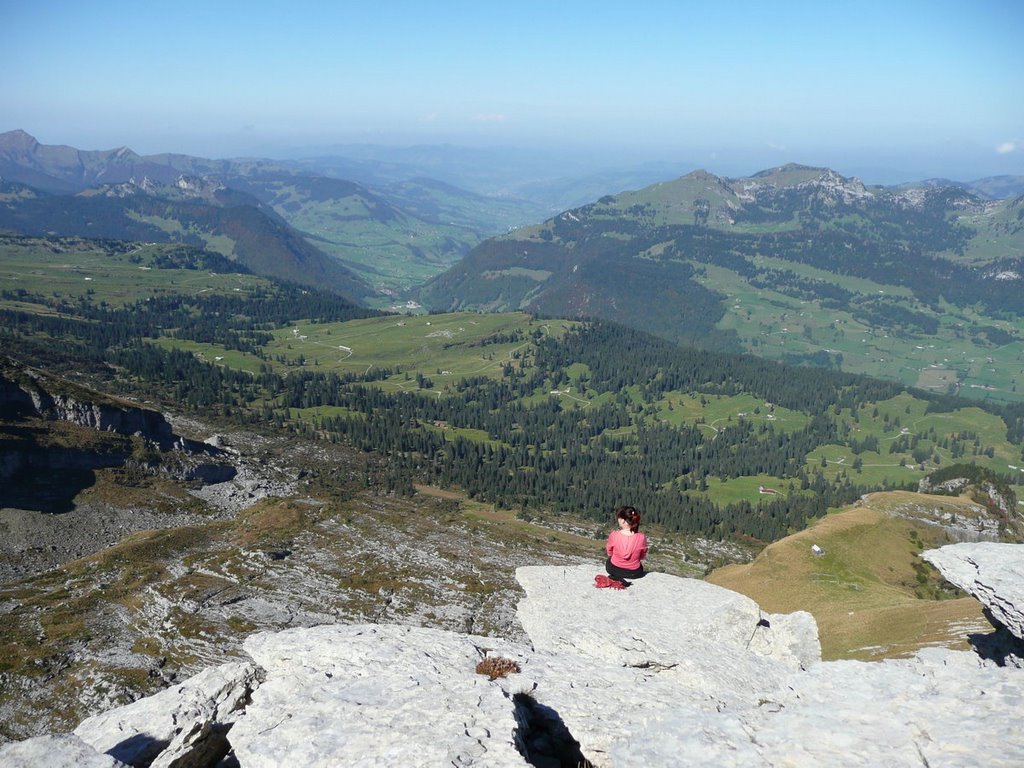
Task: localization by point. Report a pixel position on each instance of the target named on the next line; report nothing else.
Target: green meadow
(713, 412)
(443, 348)
(958, 358)
(85, 270)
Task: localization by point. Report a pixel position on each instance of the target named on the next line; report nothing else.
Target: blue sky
(934, 88)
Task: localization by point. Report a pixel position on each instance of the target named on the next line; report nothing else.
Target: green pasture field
(846, 282)
(443, 348)
(773, 325)
(450, 433)
(213, 353)
(88, 271)
(219, 243)
(747, 488)
(322, 411)
(171, 226)
(719, 411)
(877, 468)
(997, 234)
(880, 466)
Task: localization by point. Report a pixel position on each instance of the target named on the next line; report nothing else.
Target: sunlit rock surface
(992, 573)
(668, 672)
(182, 725)
(64, 751)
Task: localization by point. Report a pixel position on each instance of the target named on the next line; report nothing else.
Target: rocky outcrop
(182, 726)
(64, 751)
(992, 573)
(24, 393)
(107, 417)
(667, 672)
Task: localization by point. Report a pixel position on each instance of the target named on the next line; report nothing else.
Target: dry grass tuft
(497, 666)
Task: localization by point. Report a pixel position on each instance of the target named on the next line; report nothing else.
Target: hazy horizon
(887, 91)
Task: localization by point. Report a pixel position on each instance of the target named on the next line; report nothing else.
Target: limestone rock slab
(63, 751)
(991, 572)
(181, 725)
(712, 640)
(376, 695)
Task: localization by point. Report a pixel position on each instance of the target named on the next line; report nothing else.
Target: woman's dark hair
(630, 515)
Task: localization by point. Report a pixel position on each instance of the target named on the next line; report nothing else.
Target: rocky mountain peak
(833, 186)
(198, 186)
(17, 141)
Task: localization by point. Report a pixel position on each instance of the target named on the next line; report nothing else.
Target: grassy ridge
(795, 264)
(115, 273)
(870, 593)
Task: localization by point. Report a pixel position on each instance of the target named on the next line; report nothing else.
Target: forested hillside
(193, 212)
(796, 264)
(529, 414)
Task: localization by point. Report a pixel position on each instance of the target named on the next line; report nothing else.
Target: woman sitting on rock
(626, 547)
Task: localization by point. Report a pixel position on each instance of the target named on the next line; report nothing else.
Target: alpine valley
(223, 414)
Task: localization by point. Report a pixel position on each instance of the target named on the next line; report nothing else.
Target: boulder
(63, 751)
(661, 621)
(181, 726)
(993, 573)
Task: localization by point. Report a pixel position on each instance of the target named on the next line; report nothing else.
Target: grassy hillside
(526, 412)
(870, 593)
(234, 225)
(390, 246)
(795, 264)
(114, 272)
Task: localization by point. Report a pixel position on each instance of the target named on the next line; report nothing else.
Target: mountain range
(400, 232)
(193, 211)
(792, 262)
(918, 283)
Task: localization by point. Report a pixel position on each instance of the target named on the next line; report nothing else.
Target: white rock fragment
(63, 751)
(991, 572)
(188, 719)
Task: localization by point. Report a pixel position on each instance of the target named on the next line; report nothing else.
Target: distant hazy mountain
(200, 212)
(552, 181)
(403, 230)
(990, 188)
(66, 169)
(999, 187)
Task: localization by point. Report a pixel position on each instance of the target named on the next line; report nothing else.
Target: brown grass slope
(870, 593)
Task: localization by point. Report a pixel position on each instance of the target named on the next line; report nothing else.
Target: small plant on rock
(497, 666)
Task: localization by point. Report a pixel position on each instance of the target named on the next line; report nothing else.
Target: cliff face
(670, 671)
(994, 574)
(24, 395)
(54, 435)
